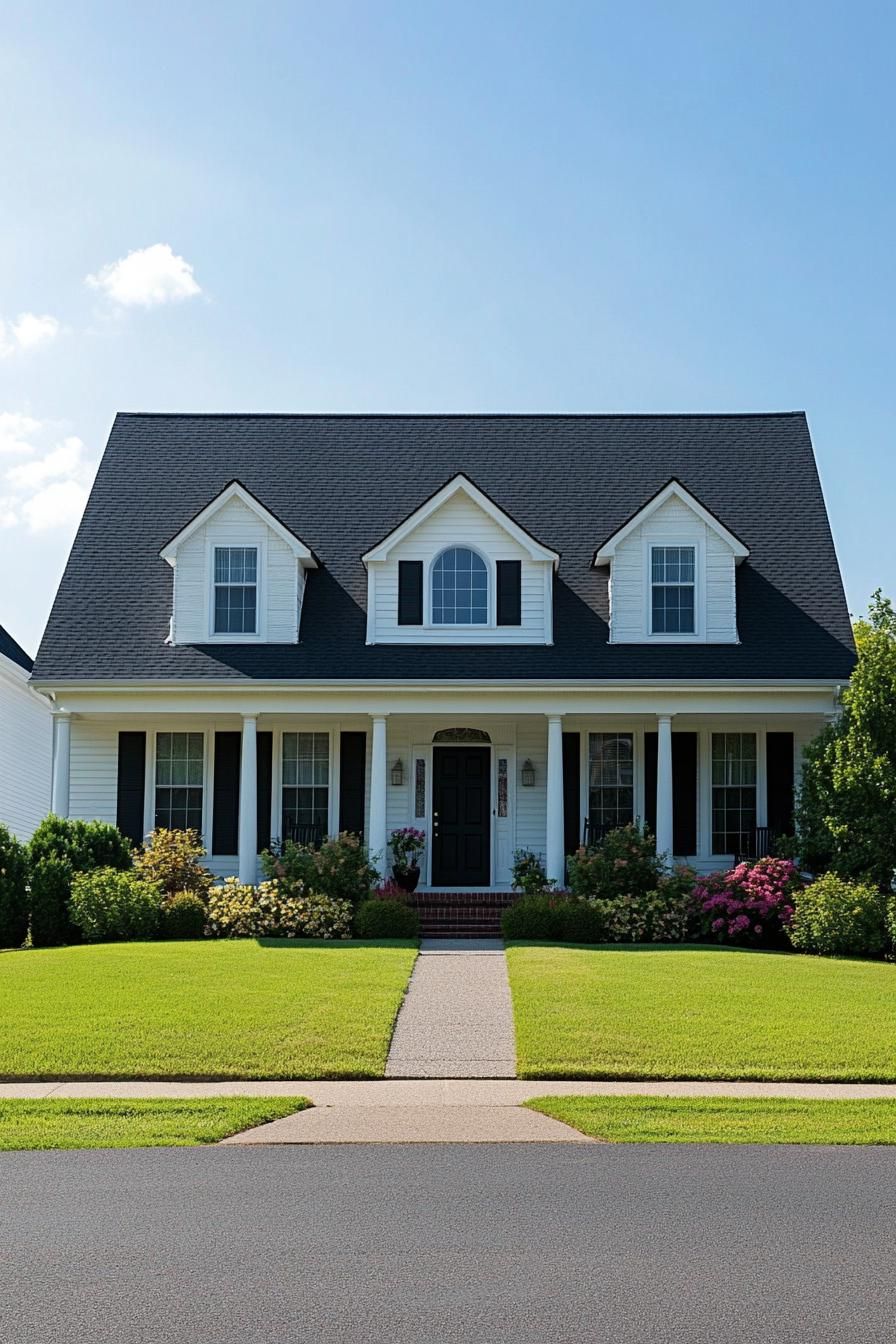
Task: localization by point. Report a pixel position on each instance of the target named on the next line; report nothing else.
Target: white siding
(460, 522)
(26, 729)
(673, 523)
(279, 596)
(93, 782)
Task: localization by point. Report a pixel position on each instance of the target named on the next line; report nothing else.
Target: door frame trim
(490, 812)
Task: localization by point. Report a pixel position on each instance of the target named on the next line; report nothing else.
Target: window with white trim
(236, 590)
(179, 769)
(611, 781)
(733, 792)
(306, 785)
(459, 588)
(672, 590)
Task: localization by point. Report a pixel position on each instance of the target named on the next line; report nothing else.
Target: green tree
(846, 811)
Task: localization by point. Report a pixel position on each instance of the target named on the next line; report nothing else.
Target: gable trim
(672, 489)
(236, 490)
(461, 484)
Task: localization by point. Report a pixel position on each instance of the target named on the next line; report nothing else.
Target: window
(459, 588)
(179, 766)
(611, 781)
(236, 590)
(733, 792)
(672, 607)
(306, 784)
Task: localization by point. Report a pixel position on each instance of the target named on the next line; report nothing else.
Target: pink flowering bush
(750, 905)
(624, 863)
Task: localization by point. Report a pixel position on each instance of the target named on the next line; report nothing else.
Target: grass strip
(724, 1119)
(108, 1123)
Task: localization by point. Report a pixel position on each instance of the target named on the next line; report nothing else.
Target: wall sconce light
(527, 774)
(398, 773)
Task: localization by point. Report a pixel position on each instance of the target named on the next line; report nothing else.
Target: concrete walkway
(457, 1018)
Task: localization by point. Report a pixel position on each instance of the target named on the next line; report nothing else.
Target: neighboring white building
(508, 631)
(26, 735)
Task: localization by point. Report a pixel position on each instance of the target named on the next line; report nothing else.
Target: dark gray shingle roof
(342, 483)
(10, 649)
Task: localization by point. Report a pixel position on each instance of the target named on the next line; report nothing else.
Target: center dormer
(459, 570)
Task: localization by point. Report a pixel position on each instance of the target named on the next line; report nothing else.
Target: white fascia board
(461, 484)
(673, 490)
(237, 491)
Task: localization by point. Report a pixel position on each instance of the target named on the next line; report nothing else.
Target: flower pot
(407, 878)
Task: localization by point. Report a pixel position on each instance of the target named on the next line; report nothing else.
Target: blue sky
(442, 207)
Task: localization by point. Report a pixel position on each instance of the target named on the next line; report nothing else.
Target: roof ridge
(458, 415)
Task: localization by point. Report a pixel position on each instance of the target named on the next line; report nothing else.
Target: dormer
(459, 570)
(239, 574)
(672, 573)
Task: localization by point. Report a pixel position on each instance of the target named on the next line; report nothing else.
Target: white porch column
(62, 750)
(377, 829)
(664, 785)
(248, 825)
(554, 848)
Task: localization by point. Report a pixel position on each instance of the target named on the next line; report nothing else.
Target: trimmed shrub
(171, 860)
(109, 905)
(836, 918)
(183, 915)
(624, 863)
(386, 919)
(59, 849)
(533, 919)
(529, 875)
(340, 869)
(13, 890)
(268, 911)
(751, 905)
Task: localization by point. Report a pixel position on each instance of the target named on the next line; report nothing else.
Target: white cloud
(48, 489)
(28, 331)
(147, 277)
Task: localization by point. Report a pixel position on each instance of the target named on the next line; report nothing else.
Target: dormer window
(236, 590)
(459, 588)
(672, 599)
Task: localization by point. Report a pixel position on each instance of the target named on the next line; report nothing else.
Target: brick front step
(461, 914)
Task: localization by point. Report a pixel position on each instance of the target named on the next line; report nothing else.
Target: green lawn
(687, 1012)
(135, 1124)
(240, 1009)
(723, 1119)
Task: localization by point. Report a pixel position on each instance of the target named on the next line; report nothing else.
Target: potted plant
(406, 845)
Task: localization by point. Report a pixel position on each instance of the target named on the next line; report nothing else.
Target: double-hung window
(672, 590)
(236, 590)
(611, 781)
(306, 785)
(179, 766)
(733, 792)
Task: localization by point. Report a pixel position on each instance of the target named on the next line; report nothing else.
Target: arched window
(461, 735)
(459, 588)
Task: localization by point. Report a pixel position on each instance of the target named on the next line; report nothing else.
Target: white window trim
(664, 545)
(491, 570)
(221, 543)
(149, 794)
(761, 785)
(698, 545)
(332, 778)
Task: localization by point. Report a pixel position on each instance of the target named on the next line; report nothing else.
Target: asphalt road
(445, 1243)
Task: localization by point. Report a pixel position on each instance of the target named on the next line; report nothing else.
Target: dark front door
(460, 817)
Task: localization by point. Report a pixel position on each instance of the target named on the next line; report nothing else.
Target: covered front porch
(482, 776)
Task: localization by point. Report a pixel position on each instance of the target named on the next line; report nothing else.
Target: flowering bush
(664, 915)
(109, 905)
(750, 905)
(407, 844)
(836, 918)
(390, 891)
(340, 869)
(236, 910)
(529, 874)
(624, 863)
(171, 860)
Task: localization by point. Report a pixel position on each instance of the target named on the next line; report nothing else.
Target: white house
(508, 631)
(26, 728)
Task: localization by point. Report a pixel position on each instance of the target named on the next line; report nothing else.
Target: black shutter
(650, 752)
(352, 767)
(131, 785)
(573, 821)
(684, 793)
(226, 794)
(264, 765)
(509, 585)
(779, 774)
(410, 592)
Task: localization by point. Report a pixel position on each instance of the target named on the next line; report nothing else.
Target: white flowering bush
(236, 910)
